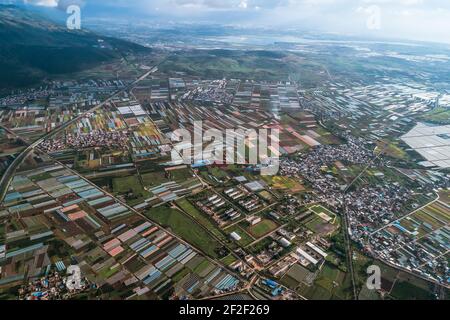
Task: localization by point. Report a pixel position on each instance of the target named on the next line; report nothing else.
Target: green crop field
(189, 208)
(153, 178)
(185, 228)
(228, 260)
(284, 183)
(125, 184)
(408, 291)
(391, 149)
(246, 239)
(181, 175)
(202, 266)
(439, 116)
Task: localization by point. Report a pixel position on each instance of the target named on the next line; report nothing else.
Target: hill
(33, 47)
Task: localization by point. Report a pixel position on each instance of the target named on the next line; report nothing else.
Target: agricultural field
(195, 228)
(284, 184)
(186, 228)
(228, 260)
(425, 221)
(246, 238)
(331, 283)
(438, 116)
(391, 149)
(404, 290)
(131, 188)
(180, 175)
(125, 184)
(201, 218)
(445, 197)
(400, 285)
(296, 276)
(259, 65)
(153, 179)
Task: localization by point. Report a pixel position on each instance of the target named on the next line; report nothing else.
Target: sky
(427, 20)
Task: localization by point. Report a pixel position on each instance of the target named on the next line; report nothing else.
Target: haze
(402, 19)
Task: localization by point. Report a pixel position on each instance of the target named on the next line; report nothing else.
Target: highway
(7, 176)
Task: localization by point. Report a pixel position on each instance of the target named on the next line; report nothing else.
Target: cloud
(43, 3)
(60, 4)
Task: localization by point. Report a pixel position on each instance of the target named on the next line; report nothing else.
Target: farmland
(185, 228)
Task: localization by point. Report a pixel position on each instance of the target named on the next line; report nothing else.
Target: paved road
(7, 176)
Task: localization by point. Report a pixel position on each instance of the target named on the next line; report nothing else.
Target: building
(235, 236)
(254, 220)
